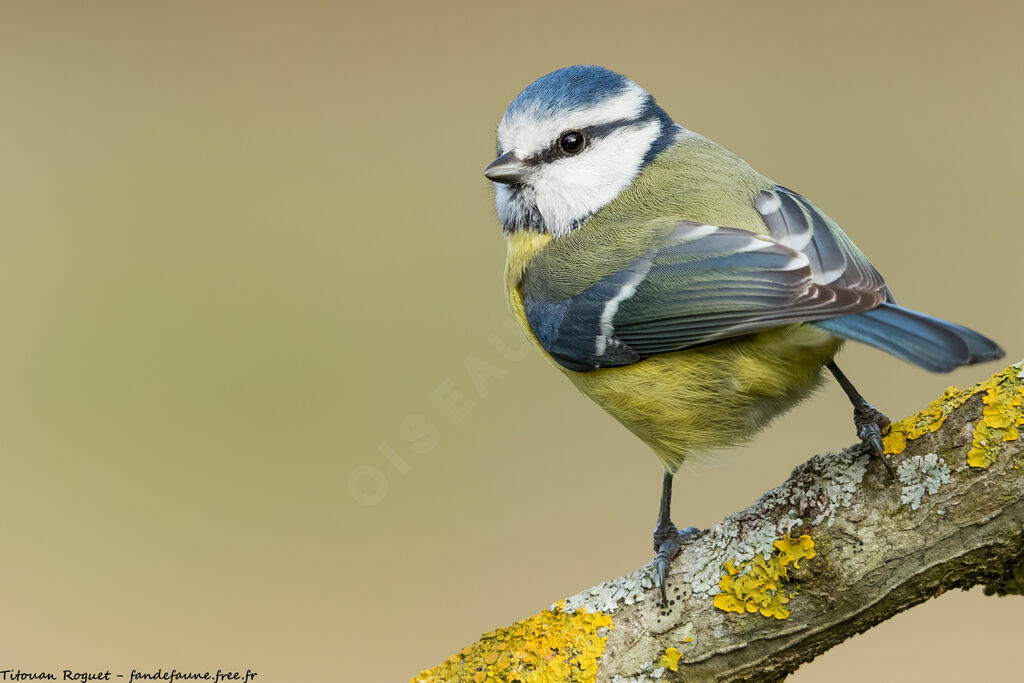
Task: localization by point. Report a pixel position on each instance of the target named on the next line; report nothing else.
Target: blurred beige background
(244, 243)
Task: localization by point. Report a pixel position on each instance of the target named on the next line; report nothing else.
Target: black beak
(506, 169)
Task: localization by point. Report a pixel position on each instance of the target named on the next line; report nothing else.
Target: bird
(688, 295)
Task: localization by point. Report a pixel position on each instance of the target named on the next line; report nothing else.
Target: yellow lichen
(1001, 420)
(670, 660)
(795, 549)
(925, 421)
(762, 588)
(553, 646)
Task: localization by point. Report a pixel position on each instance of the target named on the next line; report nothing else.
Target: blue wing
(701, 285)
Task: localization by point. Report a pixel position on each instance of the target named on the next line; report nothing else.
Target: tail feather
(928, 342)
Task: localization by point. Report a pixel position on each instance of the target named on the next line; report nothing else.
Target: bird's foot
(667, 542)
(870, 424)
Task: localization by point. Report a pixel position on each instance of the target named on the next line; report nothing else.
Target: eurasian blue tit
(685, 293)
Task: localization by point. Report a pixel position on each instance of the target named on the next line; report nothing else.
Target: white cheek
(573, 188)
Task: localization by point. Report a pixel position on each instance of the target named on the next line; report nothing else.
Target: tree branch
(834, 550)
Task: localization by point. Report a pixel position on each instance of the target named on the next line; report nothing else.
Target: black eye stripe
(593, 134)
(597, 132)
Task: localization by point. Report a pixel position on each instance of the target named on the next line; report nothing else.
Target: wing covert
(701, 285)
(835, 260)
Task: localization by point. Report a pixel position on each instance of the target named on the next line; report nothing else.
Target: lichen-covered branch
(834, 550)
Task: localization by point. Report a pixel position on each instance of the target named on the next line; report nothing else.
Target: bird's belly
(701, 399)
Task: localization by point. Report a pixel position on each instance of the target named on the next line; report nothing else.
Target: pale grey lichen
(817, 490)
(608, 596)
(732, 538)
(831, 480)
(921, 475)
(812, 496)
(655, 670)
(648, 673)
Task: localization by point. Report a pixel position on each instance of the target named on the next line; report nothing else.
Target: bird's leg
(667, 538)
(868, 421)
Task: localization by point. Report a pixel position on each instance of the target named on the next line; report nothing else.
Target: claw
(667, 538)
(870, 424)
(871, 435)
(866, 418)
(888, 467)
(667, 543)
(666, 552)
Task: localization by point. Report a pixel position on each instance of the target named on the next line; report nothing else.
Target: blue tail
(925, 341)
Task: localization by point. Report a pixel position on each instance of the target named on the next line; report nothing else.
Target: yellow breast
(520, 248)
(699, 399)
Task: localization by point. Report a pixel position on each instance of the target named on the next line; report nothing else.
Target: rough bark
(834, 550)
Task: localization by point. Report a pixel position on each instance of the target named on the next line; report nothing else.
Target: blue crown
(574, 87)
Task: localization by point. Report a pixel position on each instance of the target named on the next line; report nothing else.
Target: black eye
(572, 142)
